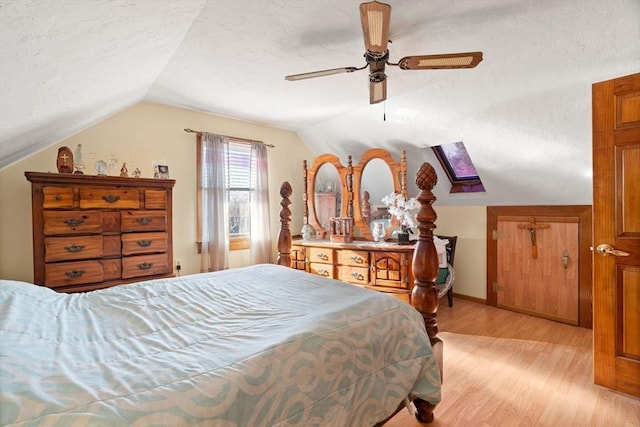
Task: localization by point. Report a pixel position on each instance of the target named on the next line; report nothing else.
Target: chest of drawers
(92, 232)
(384, 267)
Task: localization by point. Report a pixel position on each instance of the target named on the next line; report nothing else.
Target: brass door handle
(606, 249)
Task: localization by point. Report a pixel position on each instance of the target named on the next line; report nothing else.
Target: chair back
(451, 247)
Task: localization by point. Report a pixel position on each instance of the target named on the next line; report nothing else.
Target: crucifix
(533, 227)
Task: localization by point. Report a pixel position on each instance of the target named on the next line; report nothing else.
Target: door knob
(606, 249)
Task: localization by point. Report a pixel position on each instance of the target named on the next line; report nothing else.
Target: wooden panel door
(616, 259)
(538, 266)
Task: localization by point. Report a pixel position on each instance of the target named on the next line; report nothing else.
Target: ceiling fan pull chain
(384, 111)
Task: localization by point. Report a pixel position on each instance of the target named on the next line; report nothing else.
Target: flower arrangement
(403, 209)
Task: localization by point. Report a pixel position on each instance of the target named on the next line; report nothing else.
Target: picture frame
(163, 171)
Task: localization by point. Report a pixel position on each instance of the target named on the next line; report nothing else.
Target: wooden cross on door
(533, 227)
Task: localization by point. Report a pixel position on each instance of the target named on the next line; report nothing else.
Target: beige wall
(137, 136)
(469, 223)
(148, 132)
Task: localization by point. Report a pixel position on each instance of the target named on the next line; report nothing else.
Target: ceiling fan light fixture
(377, 91)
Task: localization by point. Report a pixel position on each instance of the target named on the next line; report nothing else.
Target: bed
(264, 345)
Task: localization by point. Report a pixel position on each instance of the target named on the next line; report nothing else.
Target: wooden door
(540, 284)
(538, 266)
(616, 209)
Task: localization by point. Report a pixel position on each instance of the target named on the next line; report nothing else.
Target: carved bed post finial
(284, 234)
(424, 296)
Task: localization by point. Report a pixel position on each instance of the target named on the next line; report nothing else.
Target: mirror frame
(344, 174)
(350, 186)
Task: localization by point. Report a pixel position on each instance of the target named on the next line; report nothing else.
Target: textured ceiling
(524, 113)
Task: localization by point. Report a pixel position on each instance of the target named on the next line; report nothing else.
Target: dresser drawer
(143, 221)
(72, 222)
(355, 258)
(57, 197)
(72, 248)
(73, 273)
(109, 198)
(390, 270)
(358, 275)
(145, 265)
(320, 255)
(155, 199)
(143, 243)
(325, 270)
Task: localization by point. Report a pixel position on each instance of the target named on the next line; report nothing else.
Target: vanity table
(383, 266)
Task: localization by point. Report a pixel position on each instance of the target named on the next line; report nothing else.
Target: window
(239, 184)
(239, 181)
(457, 164)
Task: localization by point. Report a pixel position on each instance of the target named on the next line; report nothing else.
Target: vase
(403, 237)
(307, 232)
(378, 232)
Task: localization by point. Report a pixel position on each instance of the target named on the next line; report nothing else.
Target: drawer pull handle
(74, 222)
(144, 220)
(74, 274)
(74, 248)
(357, 259)
(145, 265)
(357, 276)
(322, 256)
(58, 197)
(144, 243)
(110, 198)
(323, 272)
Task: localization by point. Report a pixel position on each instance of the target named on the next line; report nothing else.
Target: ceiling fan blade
(294, 77)
(375, 26)
(377, 91)
(443, 61)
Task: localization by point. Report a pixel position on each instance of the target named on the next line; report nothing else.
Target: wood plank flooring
(503, 368)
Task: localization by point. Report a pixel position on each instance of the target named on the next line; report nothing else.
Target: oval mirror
(325, 192)
(376, 182)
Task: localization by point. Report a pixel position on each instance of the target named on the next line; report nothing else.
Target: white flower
(404, 210)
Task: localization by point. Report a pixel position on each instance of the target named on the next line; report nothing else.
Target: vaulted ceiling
(524, 113)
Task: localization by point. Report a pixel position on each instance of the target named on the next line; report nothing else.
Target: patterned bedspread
(256, 346)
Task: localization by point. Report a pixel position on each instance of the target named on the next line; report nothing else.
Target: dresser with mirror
(355, 191)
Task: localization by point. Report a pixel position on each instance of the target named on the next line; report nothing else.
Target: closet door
(538, 267)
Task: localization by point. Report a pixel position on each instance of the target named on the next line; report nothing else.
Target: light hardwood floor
(508, 369)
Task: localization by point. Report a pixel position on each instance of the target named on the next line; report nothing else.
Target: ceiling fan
(375, 19)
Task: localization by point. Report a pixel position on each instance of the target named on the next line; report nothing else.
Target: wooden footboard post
(284, 234)
(424, 296)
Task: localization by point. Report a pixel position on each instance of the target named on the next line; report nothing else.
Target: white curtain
(260, 244)
(215, 210)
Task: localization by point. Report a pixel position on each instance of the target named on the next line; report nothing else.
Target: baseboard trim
(468, 298)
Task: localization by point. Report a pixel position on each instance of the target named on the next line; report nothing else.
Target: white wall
(138, 135)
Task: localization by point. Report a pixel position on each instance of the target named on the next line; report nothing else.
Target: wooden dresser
(92, 232)
(384, 267)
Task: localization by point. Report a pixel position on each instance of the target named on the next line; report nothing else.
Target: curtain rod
(230, 137)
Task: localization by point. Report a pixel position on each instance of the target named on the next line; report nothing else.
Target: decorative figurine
(137, 173)
(78, 163)
(65, 160)
(123, 170)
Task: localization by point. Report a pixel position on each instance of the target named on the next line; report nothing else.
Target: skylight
(458, 166)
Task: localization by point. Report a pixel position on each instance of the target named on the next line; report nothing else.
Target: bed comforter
(256, 346)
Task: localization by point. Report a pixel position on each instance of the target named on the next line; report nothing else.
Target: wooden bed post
(424, 296)
(284, 234)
